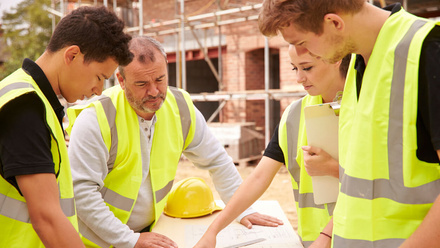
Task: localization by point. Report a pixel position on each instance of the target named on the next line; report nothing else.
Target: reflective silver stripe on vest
(292, 128)
(110, 113)
(17, 210)
(14, 86)
(185, 115)
(119, 201)
(394, 187)
(110, 196)
(89, 234)
(306, 243)
(116, 200)
(68, 206)
(305, 200)
(341, 242)
(14, 209)
(161, 193)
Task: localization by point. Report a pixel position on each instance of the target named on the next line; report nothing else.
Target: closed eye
(160, 79)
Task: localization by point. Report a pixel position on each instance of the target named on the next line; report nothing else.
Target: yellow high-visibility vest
(119, 125)
(385, 190)
(15, 227)
(312, 218)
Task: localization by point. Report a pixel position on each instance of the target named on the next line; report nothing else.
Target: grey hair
(144, 49)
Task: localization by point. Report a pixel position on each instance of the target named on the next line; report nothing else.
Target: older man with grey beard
(125, 147)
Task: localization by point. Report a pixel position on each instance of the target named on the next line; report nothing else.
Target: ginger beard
(341, 49)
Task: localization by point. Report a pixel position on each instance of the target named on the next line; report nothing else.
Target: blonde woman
(323, 82)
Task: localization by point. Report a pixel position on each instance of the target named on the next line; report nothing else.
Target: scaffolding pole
(182, 34)
(266, 89)
(62, 9)
(198, 26)
(220, 59)
(141, 17)
(219, 50)
(205, 57)
(200, 17)
(52, 5)
(274, 94)
(217, 111)
(177, 44)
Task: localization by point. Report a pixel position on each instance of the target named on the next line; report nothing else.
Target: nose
(97, 90)
(152, 90)
(300, 77)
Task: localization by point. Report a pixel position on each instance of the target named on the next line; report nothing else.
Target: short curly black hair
(98, 33)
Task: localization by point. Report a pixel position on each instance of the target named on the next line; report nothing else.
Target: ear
(120, 79)
(335, 21)
(71, 53)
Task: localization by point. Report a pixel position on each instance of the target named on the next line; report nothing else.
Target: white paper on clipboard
(322, 131)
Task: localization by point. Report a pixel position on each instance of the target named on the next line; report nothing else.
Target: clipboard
(322, 123)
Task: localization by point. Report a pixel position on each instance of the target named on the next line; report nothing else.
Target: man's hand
(318, 162)
(154, 240)
(261, 220)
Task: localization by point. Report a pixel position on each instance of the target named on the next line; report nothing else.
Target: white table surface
(186, 232)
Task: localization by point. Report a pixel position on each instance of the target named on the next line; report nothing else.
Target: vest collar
(31, 68)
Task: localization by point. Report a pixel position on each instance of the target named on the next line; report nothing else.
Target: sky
(7, 5)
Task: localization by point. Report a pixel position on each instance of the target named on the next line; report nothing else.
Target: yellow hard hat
(189, 198)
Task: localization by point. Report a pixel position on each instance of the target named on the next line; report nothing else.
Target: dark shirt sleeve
(273, 149)
(24, 139)
(428, 121)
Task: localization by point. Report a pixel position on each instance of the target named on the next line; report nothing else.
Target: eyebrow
(105, 77)
(302, 63)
